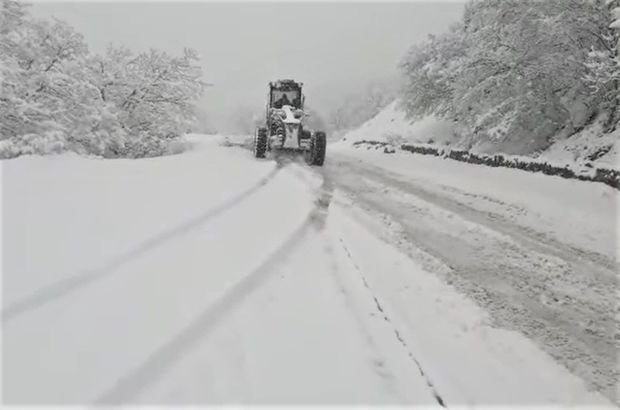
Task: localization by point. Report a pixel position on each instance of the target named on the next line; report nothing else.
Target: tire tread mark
(150, 370)
(75, 282)
(438, 398)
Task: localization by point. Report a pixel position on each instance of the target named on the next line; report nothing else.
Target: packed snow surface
(212, 277)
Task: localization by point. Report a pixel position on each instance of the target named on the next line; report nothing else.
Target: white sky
(331, 47)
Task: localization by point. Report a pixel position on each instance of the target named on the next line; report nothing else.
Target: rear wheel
(260, 142)
(315, 155)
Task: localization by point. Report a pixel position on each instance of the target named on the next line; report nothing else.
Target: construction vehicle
(284, 125)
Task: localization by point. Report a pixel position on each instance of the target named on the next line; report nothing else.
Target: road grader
(284, 127)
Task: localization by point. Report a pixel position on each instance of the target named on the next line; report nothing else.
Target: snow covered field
(211, 277)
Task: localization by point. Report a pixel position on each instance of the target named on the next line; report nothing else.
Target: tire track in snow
(562, 299)
(129, 386)
(78, 281)
(528, 237)
(399, 337)
(377, 362)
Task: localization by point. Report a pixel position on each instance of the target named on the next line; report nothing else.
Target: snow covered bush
(55, 95)
(50, 142)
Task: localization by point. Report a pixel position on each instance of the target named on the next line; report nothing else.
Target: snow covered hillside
(212, 277)
(590, 144)
(391, 125)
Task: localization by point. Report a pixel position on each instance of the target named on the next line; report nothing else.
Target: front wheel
(316, 152)
(260, 142)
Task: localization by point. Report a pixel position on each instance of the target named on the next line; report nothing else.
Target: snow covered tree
(431, 70)
(40, 91)
(12, 15)
(155, 96)
(603, 63)
(512, 73)
(55, 95)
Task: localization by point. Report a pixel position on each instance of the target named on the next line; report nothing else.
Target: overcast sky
(333, 48)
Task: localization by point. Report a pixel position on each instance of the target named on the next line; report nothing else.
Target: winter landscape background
(458, 247)
(517, 78)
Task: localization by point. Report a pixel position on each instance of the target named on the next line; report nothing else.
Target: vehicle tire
(316, 153)
(260, 142)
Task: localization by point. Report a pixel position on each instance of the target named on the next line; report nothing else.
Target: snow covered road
(210, 277)
(561, 295)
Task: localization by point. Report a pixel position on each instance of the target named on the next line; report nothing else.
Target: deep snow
(211, 277)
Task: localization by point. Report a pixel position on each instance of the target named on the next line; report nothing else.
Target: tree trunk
(612, 121)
